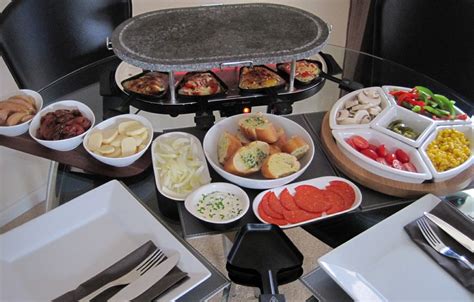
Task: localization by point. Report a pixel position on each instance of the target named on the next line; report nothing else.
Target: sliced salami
(336, 200)
(266, 207)
(274, 203)
(297, 216)
(267, 218)
(287, 200)
(345, 190)
(311, 199)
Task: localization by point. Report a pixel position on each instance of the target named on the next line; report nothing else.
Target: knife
(146, 281)
(452, 231)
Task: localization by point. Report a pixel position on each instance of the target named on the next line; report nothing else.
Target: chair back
(41, 41)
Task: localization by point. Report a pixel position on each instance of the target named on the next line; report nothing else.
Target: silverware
(142, 284)
(452, 231)
(438, 245)
(150, 262)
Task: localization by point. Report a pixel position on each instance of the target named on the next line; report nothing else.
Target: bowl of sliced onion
(179, 165)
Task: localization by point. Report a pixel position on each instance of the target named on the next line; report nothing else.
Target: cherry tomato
(409, 167)
(373, 147)
(382, 161)
(402, 156)
(390, 158)
(397, 164)
(382, 151)
(370, 153)
(360, 142)
(351, 143)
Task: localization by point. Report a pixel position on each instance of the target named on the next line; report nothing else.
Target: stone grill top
(201, 38)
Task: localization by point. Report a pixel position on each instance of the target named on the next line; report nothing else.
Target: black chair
(41, 41)
(434, 37)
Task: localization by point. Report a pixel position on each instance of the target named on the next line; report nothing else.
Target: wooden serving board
(78, 157)
(386, 185)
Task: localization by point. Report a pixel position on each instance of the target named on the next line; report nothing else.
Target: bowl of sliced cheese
(119, 141)
(258, 150)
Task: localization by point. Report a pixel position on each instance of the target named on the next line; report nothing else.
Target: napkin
(120, 268)
(453, 216)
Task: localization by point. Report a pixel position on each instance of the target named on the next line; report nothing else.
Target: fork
(151, 261)
(438, 245)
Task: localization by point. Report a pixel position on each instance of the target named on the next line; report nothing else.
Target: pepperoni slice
(266, 207)
(336, 200)
(345, 190)
(274, 203)
(305, 187)
(311, 199)
(297, 216)
(267, 218)
(287, 200)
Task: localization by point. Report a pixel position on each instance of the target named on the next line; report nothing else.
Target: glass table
(85, 85)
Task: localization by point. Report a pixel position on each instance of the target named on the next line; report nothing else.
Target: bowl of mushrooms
(358, 109)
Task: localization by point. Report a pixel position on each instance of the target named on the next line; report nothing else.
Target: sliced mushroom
(363, 106)
(375, 110)
(372, 93)
(365, 99)
(365, 120)
(351, 103)
(348, 121)
(360, 115)
(342, 115)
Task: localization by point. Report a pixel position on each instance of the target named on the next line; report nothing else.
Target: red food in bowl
(62, 124)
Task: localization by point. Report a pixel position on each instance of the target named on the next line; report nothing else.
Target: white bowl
(193, 198)
(255, 181)
(68, 143)
(23, 127)
(385, 104)
(442, 176)
(206, 177)
(115, 121)
(387, 89)
(419, 123)
(319, 182)
(377, 138)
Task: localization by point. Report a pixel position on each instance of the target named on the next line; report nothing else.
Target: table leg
(51, 197)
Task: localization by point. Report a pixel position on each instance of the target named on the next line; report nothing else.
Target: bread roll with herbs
(280, 165)
(248, 159)
(257, 127)
(296, 146)
(227, 145)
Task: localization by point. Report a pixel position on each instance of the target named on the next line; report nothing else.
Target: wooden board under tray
(385, 185)
(78, 157)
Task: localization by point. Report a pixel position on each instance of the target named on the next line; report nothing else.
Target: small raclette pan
(286, 75)
(198, 98)
(142, 95)
(264, 250)
(263, 90)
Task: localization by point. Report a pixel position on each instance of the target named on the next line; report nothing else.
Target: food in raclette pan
(423, 101)
(306, 71)
(362, 109)
(62, 124)
(17, 109)
(259, 77)
(448, 150)
(306, 203)
(200, 84)
(150, 83)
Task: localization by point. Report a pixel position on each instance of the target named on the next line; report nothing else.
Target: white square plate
(59, 250)
(384, 264)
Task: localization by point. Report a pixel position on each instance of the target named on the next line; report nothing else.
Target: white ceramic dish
(442, 176)
(68, 143)
(389, 88)
(321, 183)
(114, 122)
(79, 239)
(23, 127)
(385, 104)
(125, 71)
(199, 153)
(255, 181)
(419, 123)
(377, 138)
(191, 201)
(384, 264)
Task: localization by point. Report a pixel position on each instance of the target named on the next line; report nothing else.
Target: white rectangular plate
(384, 264)
(59, 250)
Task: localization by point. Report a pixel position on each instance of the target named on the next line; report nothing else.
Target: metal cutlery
(153, 260)
(438, 245)
(452, 231)
(142, 284)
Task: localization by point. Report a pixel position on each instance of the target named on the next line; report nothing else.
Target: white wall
(23, 177)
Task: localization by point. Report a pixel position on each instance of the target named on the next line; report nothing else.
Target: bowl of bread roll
(258, 150)
(120, 140)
